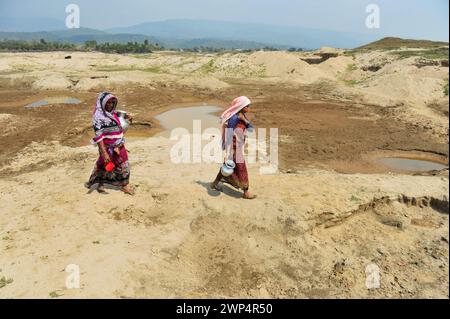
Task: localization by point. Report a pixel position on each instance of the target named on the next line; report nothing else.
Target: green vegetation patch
(351, 67)
(391, 43)
(54, 294)
(355, 199)
(351, 82)
(209, 67)
(4, 281)
(432, 54)
(123, 68)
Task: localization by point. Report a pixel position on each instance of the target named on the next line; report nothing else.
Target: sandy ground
(306, 236)
(317, 224)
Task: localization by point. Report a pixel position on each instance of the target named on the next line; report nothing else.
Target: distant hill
(396, 43)
(185, 34)
(238, 31)
(217, 44)
(189, 34)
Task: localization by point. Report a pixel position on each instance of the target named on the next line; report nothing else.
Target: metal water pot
(228, 168)
(123, 122)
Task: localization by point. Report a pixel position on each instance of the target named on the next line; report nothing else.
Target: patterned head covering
(106, 124)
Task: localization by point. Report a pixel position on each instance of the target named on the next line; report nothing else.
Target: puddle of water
(72, 100)
(407, 164)
(184, 117)
(54, 100)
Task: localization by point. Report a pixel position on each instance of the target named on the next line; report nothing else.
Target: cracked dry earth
(308, 235)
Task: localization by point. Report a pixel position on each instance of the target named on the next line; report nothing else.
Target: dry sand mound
(378, 77)
(328, 50)
(335, 66)
(204, 81)
(283, 64)
(403, 81)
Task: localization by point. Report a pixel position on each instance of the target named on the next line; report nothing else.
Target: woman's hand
(106, 158)
(129, 118)
(102, 149)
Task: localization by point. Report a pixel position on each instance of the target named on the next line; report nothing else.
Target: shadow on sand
(227, 190)
(107, 187)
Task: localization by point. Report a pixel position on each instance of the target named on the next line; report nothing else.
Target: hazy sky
(405, 18)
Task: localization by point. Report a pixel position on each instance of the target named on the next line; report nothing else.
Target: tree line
(107, 47)
(130, 47)
(43, 45)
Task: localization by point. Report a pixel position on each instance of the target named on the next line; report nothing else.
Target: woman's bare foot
(216, 187)
(248, 195)
(128, 190)
(101, 189)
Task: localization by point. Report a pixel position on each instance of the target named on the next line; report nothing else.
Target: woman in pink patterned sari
(112, 166)
(234, 124)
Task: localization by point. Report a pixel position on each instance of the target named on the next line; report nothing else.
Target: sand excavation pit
(313, 133)
(380, 161)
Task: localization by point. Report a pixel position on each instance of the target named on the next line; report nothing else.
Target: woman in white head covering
(112, 166)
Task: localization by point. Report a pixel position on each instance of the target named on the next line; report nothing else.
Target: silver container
(123, 122)
(228, 168)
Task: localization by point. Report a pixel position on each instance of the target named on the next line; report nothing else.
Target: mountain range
(183, 33)
(271, 34)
